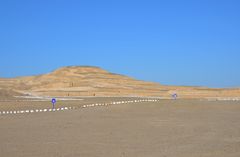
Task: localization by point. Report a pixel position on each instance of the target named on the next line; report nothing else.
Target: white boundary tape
(71, 108)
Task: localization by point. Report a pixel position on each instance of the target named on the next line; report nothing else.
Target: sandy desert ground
(102, 114)
(183, 128)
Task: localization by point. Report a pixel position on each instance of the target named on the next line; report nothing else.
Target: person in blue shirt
(54, 102)
(174, 96)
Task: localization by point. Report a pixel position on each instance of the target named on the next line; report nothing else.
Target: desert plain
(99, 114)
(184, 128)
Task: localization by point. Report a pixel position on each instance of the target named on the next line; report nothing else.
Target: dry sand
(94, 81)
(182, 128)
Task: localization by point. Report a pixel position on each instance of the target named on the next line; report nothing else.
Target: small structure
(53, 102)
(174, 96)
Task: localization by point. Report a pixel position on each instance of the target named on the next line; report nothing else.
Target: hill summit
(86, 81)
(76, 70)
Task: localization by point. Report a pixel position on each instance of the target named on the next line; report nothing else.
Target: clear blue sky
(173, 42)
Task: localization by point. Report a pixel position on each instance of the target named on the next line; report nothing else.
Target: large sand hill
(94, 81)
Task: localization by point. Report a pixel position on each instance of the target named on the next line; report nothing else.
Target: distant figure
(174, 96)
(53, 102)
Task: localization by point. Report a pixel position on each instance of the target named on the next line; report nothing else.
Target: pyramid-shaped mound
(94, 81)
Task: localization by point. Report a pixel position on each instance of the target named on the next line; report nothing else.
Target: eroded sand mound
(94, 81)
(8, 94)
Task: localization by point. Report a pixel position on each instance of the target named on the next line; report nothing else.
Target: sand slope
(94, 81)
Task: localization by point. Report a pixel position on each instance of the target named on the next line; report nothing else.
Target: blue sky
(171, 42)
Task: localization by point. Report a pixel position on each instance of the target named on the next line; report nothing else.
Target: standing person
(174, 96)
(53, 103)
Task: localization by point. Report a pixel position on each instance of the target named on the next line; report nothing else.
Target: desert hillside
(94, 81)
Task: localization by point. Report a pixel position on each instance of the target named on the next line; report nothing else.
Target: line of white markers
(224, 99)
(120, 102)
(36, 110)
(71, 108)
